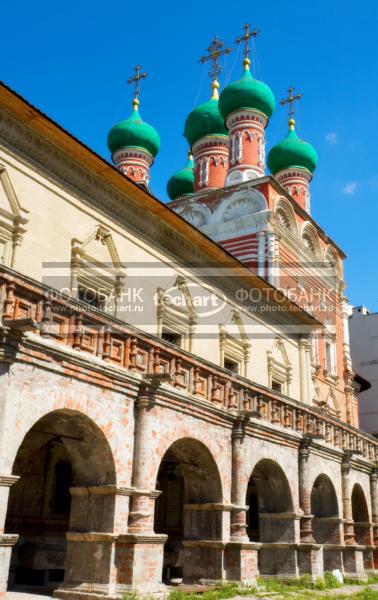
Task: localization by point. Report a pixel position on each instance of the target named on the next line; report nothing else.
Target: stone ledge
(281, 516)
(204, 544)
(218, 506)
(8, 480)
(140, 538)
(310, 546)
(90, 536)
(243, 545)
(279, 545)
(328, 520)
(101, 490)
(8, 539)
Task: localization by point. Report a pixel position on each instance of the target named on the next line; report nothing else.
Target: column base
(203, 560)
(241, 562)
(106, 564)
(139, 561)
(279, 559)
(353, 559)
(333, 557)
(7, 541)
(310, 560)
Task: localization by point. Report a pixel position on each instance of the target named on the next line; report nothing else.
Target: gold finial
(215, 50)
(190, 155)
(138, 75)
(290, 101)
(245, 38)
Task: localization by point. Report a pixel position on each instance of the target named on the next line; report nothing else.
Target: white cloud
(332, 138)
(350, 188)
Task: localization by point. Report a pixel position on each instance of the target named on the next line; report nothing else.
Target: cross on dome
(245, 38)
(137, 77)
(290, 101)
(215, 50)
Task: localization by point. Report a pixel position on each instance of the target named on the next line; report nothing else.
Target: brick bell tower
(206, 132)
(134, 143)
(246, 106)
(293, 161)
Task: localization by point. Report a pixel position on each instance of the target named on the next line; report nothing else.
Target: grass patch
(220, 592)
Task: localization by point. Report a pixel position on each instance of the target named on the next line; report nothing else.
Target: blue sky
(72, 60)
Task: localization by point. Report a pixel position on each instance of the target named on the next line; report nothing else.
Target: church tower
(134, 143)
(293, 160)
(206, 133)
(246, 106)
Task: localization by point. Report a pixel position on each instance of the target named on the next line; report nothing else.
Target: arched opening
(324, 507)
(269, 500)
(326, 523)
(186, 510)
(62, 451)
(270, 518)
(360, 514)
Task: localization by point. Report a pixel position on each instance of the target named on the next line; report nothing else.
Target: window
(12, 220)
(330, 356)
(176, 316)
(91, 297)
(96, 275)
(280, 371)
(61, 497)
(231, 365)
(172, 338)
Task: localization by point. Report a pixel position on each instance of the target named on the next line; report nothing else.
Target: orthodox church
(178, 403)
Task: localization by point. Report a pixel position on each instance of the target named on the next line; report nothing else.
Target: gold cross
(215, 50)
(290, 100)
(137, 77)
(246, 37)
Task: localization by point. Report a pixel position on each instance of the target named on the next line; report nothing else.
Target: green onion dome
(248, 93)
(205, 119)
(182, 182)
(134, 133)
(292, 152)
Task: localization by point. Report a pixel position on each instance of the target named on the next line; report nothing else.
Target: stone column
(309, 374)
(353, 554)
(276, 274)
(141, 518)
(305, 492)
(238, 491)
(349, 538)
(374, 504)
(7, 541)
(374, 513)
(140, 552)
(241, 555)
(271, 241)
(303, 370)
(261, 253)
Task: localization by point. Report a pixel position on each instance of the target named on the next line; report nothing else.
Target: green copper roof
(247, 92)
(292, 152)
(182, 182)
(204, 120)
(134, 133)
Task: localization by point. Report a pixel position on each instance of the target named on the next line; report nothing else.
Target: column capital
(149, 386)
(239, 425)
